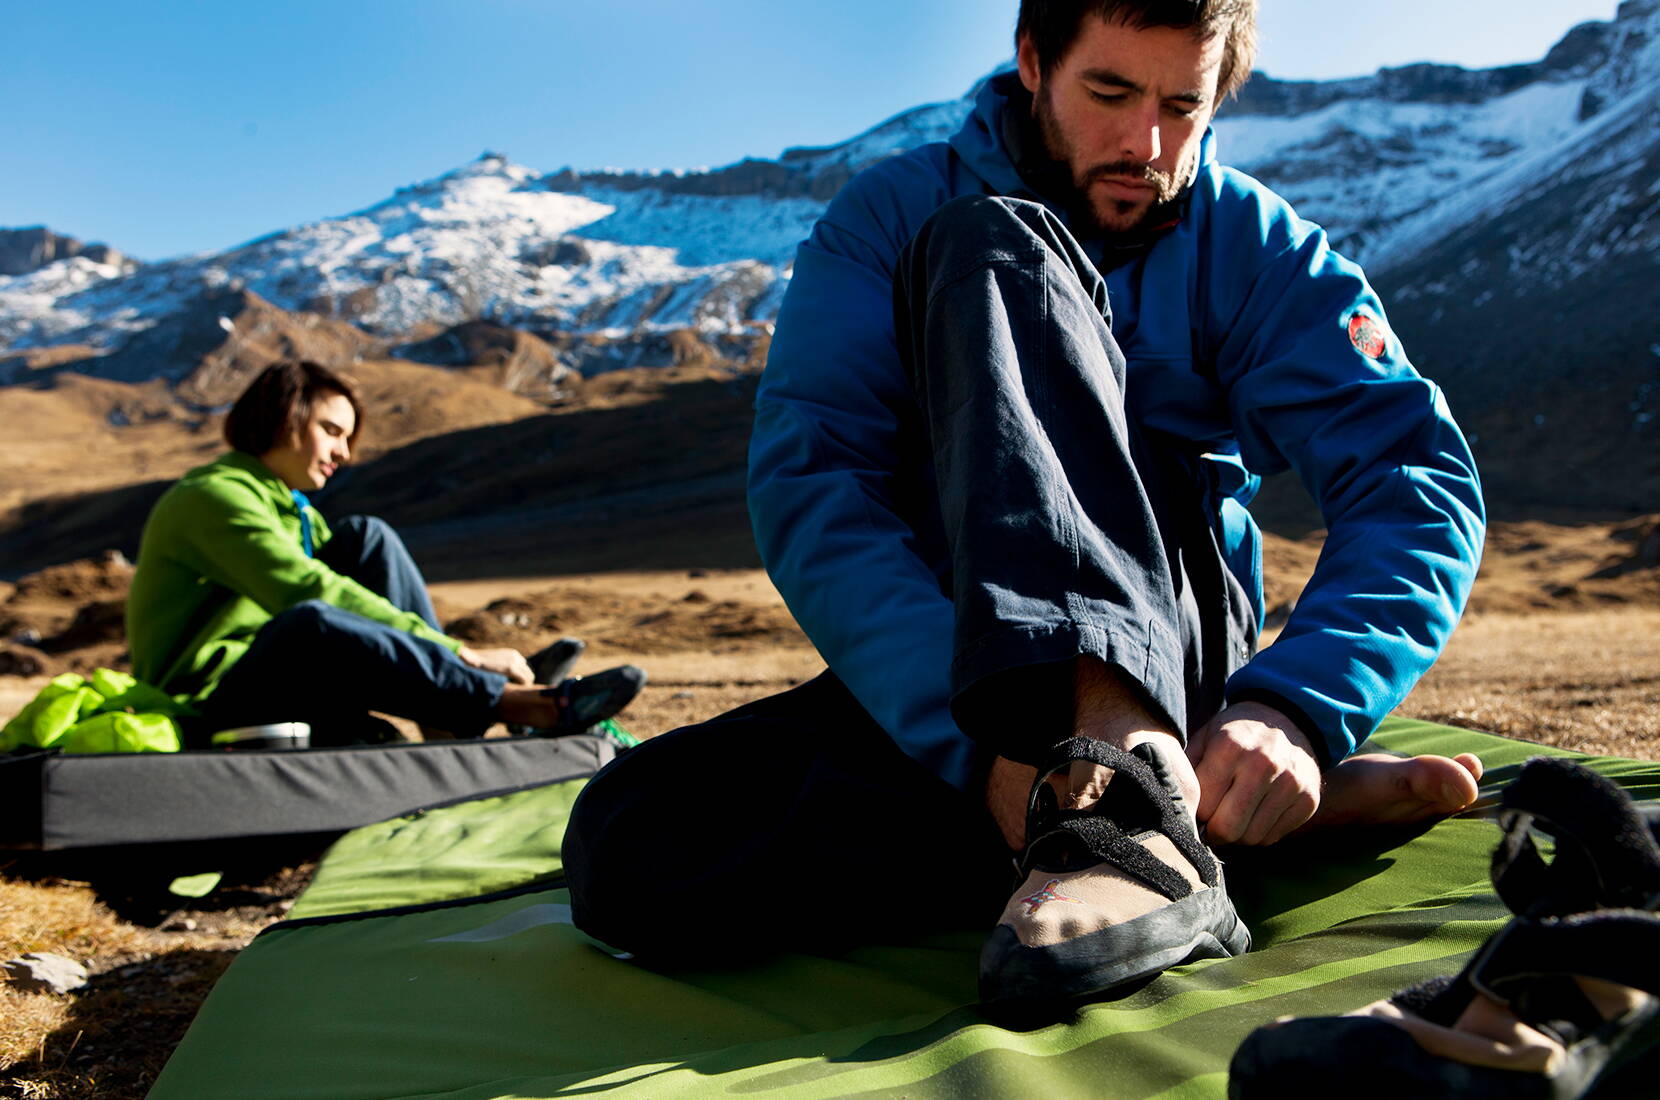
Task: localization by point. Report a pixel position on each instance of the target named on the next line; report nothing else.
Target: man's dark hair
(1053, 27)
(278, 403)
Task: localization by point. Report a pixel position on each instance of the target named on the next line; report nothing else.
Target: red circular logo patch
(1369, 335)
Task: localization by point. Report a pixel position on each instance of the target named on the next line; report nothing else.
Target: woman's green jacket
(222, 553)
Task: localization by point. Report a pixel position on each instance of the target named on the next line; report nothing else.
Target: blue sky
(170, 126)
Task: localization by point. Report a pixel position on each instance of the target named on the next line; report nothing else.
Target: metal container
(276, 735)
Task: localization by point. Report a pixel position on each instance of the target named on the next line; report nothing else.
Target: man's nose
(1141, 139)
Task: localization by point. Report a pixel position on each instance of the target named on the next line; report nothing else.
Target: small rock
(682, 695)
(40, 972)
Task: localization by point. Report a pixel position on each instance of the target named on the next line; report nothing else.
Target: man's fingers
(1286, 805)
(1296, 815)
(1228, 824)
(1257, 791)
(1216, 771)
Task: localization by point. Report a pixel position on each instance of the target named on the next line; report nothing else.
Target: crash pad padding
(493, 845)
(62, 802)
(503, 997)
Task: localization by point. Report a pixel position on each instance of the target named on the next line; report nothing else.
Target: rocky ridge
(31, 248)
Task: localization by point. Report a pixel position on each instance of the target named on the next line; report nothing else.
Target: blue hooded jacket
(1243, 332)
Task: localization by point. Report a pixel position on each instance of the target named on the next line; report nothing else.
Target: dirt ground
(1559, 645)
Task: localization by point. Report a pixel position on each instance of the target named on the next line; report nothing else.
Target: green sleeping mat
(433, 956)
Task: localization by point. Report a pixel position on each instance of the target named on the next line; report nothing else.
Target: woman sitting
(245, 600)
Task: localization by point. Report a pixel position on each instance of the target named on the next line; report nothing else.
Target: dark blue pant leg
(316, 663)
(791, 823)
(1072, 532)
(369, 551)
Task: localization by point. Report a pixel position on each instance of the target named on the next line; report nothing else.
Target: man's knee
(974, 233)
(976, 228)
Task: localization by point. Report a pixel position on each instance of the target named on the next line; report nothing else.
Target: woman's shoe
(585, 700)
(553, 663)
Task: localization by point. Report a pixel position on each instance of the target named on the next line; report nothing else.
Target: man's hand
(1258, 775)
(508, 662)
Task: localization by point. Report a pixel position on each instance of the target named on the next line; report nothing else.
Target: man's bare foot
(1379, 789)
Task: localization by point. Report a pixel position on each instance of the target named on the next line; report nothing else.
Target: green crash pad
(434, 957)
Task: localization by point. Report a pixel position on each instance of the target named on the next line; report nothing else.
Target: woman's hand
(508, 662)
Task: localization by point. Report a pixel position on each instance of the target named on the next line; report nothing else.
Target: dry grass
(61, 919)
(1587, 681)
(65, 920)
(109, 1040)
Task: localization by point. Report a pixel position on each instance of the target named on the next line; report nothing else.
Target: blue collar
(302, 502)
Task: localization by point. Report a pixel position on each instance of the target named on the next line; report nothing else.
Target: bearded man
(1022, 388)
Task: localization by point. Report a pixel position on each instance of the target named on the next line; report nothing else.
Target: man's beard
(1118, 219)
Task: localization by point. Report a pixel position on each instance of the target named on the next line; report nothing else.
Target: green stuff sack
(63, 702)
(133, 696)
(145, 699)
(118, 731)
(110, 712)
(110, 683)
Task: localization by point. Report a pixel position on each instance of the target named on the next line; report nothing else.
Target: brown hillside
(83, 459)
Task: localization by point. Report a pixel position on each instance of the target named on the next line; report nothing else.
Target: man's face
(311, 455)
(1125, 111)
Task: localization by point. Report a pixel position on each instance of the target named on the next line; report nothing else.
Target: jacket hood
(982, 144)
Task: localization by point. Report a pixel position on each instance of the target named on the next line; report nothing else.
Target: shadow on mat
(1266, 882)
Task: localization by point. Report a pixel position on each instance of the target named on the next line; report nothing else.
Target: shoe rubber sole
(1322, 1052)
(1202, 925)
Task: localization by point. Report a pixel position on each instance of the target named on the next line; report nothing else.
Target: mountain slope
(1507, 214)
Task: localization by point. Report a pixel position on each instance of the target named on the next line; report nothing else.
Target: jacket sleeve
(235, 539)
(822, 492)
(1318, 383)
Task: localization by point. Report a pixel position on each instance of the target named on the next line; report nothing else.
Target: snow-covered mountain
(33, 247)
(1394, 165)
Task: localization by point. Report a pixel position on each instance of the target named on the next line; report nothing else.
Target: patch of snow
(706, 230)
(1361, 167)
(1599, 144)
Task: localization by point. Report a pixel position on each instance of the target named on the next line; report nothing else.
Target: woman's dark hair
(278, 403)
(1053, 27)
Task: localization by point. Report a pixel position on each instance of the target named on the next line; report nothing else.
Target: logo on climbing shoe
(1368, 334)
(1050, 892)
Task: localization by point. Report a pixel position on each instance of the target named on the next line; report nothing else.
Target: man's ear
(1026, 56)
